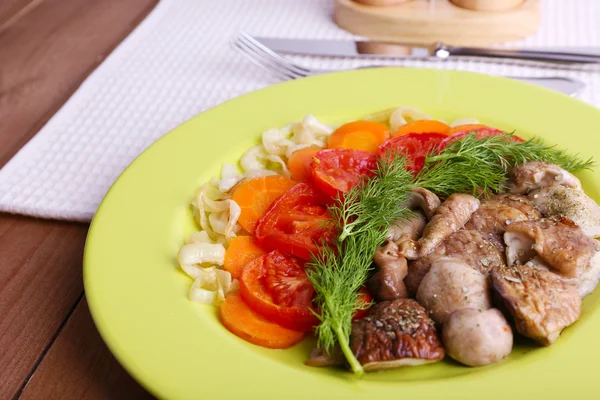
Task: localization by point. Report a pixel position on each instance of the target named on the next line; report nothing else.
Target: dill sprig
(480, 166)
(374, 204)
(337, 274)
(363, 216)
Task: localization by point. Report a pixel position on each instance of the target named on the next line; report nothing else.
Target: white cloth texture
(179, 62)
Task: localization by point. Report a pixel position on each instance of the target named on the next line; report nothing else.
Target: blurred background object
(455, 22)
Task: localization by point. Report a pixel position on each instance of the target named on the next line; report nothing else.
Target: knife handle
(589, 55)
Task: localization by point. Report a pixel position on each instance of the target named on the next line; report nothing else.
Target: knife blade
(343, 48)
(380, 49)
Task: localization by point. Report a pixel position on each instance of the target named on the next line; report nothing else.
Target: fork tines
(267, 59)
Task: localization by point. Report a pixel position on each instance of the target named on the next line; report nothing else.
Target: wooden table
(49, 347)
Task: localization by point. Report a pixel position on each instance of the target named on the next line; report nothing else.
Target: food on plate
(541, 303)
(561, 245)
(299, 163)
(359, 135)
(336, 171)
(468, 246)
(383, 235)
(297, 222)
(494, 215)
(423, 126)
(534, 175)
(241, 250)
(449, 217)
(476, 337)
(572, 203)
(414, 146)
(255, 328)
(276, 286)
(452, 285)
(387, 282)
(254, 197)
(396, 333)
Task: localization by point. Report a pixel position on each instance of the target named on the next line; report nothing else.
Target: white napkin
(179, 62)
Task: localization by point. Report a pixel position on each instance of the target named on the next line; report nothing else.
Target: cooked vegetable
(336, 171)
(414, 146)
(466, 128)
(254, 197)
(299, 163)
(480, 132)
(253, 327)
(479, 165)
(423, 126)
(359, 135)
(241, 250)
(296, 223)
(363, 297)
(276, 286)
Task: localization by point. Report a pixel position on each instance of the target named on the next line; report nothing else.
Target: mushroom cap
(395, 333)
(477, 337)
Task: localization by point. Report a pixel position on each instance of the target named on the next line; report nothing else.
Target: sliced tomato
(336, 171)
(415, 146)
(276, 286)
(480, 133)
(296, 223)
(364, 297)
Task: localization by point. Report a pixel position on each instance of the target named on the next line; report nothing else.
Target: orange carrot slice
(423, 126)
(241, 250)
(256, 195)
(253, 327)
(299, 163)
(359, 135)
(465, 128)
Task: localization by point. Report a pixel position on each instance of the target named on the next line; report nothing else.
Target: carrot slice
(256, 195)
(299, 163)
(466, 127)
(359, 135)
(423, 126)
(253, 327)
(241, 250)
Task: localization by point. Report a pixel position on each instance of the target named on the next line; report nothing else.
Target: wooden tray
(418, 22)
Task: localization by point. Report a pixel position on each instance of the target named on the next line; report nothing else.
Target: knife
(375, 49)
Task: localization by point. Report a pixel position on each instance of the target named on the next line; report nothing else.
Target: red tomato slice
(364, 297)
(480, 132)
(276, 286)
(336, 171)
(416, 147)
(296, 223)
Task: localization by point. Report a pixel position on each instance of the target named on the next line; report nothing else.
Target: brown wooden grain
(79, 366)
(13, 10)
(40, 280)
(47, 48)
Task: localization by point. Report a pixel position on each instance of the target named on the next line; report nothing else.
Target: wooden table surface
(49, 347)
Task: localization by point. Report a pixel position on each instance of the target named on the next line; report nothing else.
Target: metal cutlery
(366, 49)
(284, 69)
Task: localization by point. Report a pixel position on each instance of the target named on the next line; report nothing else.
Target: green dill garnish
(363, 217)
(374, 204)
(480, 166)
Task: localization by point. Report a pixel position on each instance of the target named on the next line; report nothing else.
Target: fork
(284, 69)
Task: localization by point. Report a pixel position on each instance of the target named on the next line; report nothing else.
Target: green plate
(179, 350)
